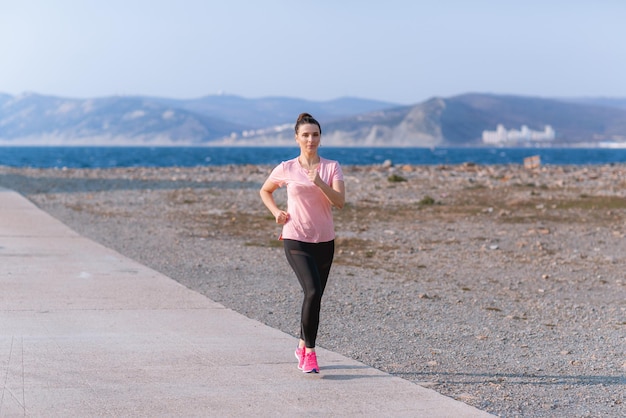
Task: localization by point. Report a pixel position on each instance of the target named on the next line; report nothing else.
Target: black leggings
(311, 262)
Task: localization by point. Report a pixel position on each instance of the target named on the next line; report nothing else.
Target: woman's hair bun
(304, 118)
(301, 116)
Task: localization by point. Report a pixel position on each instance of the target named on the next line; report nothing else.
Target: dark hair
(305, 118)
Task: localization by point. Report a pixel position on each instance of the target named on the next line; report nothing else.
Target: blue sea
(107, 157)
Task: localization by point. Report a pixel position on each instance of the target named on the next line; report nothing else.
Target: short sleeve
(337, 173)
(278, 175)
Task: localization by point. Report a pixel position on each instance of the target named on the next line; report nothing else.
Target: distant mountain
(47, 120)
(233, 120)
(270, 111)
(470, 114)
(4, 98)
(600, 101)
(461, 120)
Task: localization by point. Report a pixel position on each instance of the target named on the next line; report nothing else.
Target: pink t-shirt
(310, 215)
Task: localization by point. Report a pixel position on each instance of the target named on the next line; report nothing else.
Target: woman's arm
(336, 193)
(267, 197)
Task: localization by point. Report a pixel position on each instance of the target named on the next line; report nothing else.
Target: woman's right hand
(282, 217)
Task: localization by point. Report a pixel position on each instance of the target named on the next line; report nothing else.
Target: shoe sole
(298, 358)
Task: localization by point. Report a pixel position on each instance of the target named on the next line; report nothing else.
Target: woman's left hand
(336, 193)
(314, 176)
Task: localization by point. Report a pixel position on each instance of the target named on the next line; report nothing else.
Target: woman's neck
(308, 160)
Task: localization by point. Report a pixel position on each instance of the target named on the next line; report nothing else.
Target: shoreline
(191, 157)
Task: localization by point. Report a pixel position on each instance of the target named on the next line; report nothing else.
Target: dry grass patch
(361, 252)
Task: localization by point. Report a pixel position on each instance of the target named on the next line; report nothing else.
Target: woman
(314, 184)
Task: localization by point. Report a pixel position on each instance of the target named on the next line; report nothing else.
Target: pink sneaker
(310, 363)
(300, 357)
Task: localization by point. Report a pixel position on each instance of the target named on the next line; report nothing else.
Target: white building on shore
(503, 136)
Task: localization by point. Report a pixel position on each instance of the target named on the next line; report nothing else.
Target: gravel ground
(496, 285)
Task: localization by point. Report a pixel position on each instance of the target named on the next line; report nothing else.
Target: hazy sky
(398, 51)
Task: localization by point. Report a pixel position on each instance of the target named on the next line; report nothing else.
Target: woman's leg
(311, 263)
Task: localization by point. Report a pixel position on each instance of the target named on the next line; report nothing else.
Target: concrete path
(85, 331)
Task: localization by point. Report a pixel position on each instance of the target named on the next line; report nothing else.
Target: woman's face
(308, 137)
